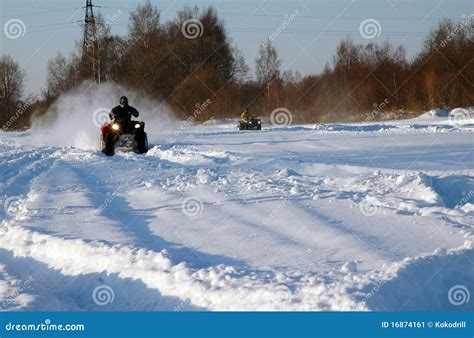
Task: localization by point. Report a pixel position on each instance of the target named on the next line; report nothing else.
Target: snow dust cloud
(75, 118)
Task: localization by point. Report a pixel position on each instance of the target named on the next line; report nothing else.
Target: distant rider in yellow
(245, 116)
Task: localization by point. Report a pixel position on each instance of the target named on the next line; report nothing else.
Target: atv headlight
(137, 125)
(115, 126)
(259, 122)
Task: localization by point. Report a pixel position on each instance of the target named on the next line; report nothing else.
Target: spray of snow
(75, 118)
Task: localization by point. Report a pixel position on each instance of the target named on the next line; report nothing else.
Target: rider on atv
(249, 121)
(245, 116)
(123, 133)
(124, 113)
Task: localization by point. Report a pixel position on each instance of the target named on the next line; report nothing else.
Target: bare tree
(11, 85)
(144, 25)
(290, 76)
(240, 68)
(267, 64)
(57, 76)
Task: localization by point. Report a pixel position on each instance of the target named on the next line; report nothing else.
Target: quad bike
(253, 123)
(118, 135)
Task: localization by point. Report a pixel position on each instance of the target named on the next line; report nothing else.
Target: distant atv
(118, 135)
(253, 123)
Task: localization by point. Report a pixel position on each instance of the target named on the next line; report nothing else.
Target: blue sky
(306, 44)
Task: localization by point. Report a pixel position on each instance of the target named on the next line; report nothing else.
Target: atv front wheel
(108, 144)
(142, 143)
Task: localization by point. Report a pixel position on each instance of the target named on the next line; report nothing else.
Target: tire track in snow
(111, 198)
(51, 290)
(215, 288)
(21, 181)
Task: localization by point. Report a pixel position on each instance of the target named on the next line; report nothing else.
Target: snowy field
(374, 216)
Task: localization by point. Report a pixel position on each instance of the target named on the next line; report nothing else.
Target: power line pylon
(90, 49)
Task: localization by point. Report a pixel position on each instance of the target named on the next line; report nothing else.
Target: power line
(231, 29)
(281, 16)
(54, 24)
(303, 31)
(67, 24)
(234, 14)
(41, 12)
(311, 32)
(326, 17)
(71, 24)
(47, 28)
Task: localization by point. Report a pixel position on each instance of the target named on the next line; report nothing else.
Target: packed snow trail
(329, 217)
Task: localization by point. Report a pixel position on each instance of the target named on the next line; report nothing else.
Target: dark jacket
(123, 113)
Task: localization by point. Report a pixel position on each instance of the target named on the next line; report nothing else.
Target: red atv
(120, 135)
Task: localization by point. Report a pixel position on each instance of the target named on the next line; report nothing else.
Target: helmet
(123, 101)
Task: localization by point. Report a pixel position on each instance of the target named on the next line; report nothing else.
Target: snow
(372, 216)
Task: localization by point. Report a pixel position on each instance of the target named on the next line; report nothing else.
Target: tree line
(185, 66)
